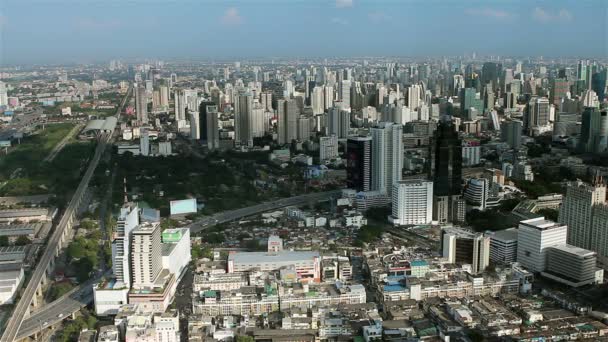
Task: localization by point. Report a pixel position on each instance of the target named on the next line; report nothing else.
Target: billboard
(186, 206)
(5, 143)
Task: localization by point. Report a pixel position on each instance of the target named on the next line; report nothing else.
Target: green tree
(22, 241)
(3, 241)
(244, 338)
(59, 290)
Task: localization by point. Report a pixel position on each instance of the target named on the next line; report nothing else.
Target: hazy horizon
(67, 31)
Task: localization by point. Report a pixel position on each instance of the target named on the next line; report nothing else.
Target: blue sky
(92, 30)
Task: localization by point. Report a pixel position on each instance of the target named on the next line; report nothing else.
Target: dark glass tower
(359, 163)
(445, 157)
(202, 115)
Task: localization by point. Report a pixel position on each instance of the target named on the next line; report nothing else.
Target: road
(227, 216)
(18, 316)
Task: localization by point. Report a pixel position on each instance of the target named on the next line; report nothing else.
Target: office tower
(203, 111)
(445, 155)
(458, 84)
(195, 125)
(598, 84)
(146, 254)
(414, 94)
(242, 120)
(258, 120)
(387, 156)
(577, 212)
(490, 73)
(359, 163)
(338, 121)
(317, 101)
(328, 148)
(469, 98)
(344, 93)
(573, 266)
(510, 132)
(127, 220)
(3, 94)
(488, 97)
(503, 246)
(594, 131)
(559, 88)
(164, 97)
(287, 121)
(288, 88)
(412, 202)
(471, 153)
(477, 192)
(309, 84)
(141, 104)
(212, 127)
(445, 170)
(536, 114)
(328, 97)
(305, 125)
(266, 100)
(581, 70)
(464, 247)
(144, 143)
(534, 237)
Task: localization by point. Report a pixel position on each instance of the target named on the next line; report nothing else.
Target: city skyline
(68, 31)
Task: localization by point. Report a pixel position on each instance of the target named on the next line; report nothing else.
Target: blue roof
(394, 278)
(393, 288)
(419, 263)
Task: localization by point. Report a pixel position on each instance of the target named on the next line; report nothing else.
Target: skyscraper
(317, 100)
(242, 120)
(560, 86)
(146, 255)
(128, 219)
(412, 202)
(445, 170)
(212, 137)
(338, 120)
(510, 132)
(141, 104)
(594, 131)
(328, 148)
(3, 94)
(287, 121)
(203, 111)
(359, 163)
(534, 237)
(387, 156)
(464, 247)
(536, 114)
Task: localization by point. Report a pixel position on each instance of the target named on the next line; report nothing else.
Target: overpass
(58, 240)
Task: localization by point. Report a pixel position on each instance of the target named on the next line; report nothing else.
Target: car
(45, 323)
(60, 315)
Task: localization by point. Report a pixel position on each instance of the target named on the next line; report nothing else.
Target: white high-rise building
(338, 120)
(243, 125)
(387, 156)
(146, 254)
(195, 127)
(3, 94)
(328, 97)
(317, 101)
(257, 120)
(213, 134)
(328, 148)
(287, 121)
(412, 202)
(477, 192)
(585, 212)
(534, 237)
(345, 93)
(414, 93)
(128, 219)
(164, 97)
(141, 104)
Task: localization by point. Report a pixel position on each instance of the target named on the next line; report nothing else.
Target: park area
(24, 171)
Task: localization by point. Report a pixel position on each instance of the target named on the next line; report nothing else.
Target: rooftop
(581, 252)
(283, 256)
(541, 223)
(509, 234)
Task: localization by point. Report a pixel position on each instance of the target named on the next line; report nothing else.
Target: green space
(72, 328)
(221, 182)
(23, 172)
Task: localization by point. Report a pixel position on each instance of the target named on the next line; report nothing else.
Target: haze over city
(59, 31)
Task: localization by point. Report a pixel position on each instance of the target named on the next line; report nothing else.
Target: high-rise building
(287, 121)
(445, 170)
(510, 132)
(503, 246)
(266, 101)
(490, 73)
(258, 120)
(317, 101)
(243, 130)
(305, 125)
(328, 148)
(573, 266)
(3, 94)
(414, 94)
(359, 163)
(203, 112)
(534, 237)
(338, 120)
(387, 156)
(477, 192)
(146, 254)
(445, 155)
(536, 114)
(583, 202)
(560, 87)
(195, 125)
(127, 220)
(144, 143)
(212, 126)
(141, 104)
(464, 247)
(344, 92)
(412, 202)
(594, 131)
(470, 99)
